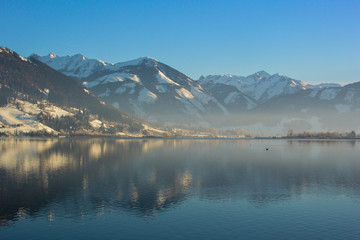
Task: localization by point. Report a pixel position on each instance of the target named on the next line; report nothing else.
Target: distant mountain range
(153, 90)
(254, 89)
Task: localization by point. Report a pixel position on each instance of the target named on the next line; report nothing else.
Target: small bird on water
(267, 149)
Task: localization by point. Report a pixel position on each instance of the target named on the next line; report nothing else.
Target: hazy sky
(314, 41)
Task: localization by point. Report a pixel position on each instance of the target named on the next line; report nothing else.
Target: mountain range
(151, 90)
(155, 91)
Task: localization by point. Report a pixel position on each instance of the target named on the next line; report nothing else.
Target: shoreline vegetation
(303, 135)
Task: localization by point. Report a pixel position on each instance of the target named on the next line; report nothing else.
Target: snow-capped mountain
(144, 87)
(254, 89)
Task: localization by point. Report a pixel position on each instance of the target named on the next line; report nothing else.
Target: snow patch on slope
(147, 96)
(183, 93)
(200, 95)
(231, 98)
(250, 104)
(96, 123)
(163, 79)
(55, 111)
(112, 78)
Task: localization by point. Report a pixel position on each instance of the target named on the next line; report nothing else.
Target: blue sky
(314, 41)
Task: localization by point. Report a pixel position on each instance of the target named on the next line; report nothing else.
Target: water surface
(179, 189)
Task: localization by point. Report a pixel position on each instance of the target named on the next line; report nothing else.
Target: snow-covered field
(14, 121)
(20, 117)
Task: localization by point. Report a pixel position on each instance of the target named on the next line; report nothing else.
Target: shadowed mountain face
(77, 177)
(152, 90)
(38, 81)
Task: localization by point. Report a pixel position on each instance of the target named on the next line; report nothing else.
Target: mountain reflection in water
(77, 177)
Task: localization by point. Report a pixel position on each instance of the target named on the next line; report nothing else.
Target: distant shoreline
(182, 137)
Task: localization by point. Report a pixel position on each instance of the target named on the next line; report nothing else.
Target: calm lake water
(179, 189)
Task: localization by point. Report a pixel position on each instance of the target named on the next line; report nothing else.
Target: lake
(179, 189)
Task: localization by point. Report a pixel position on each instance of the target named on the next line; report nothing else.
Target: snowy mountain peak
(262, 74)
(52, 55)
(149, 61)
(143, 60)
(76, 66)
(79, 66)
